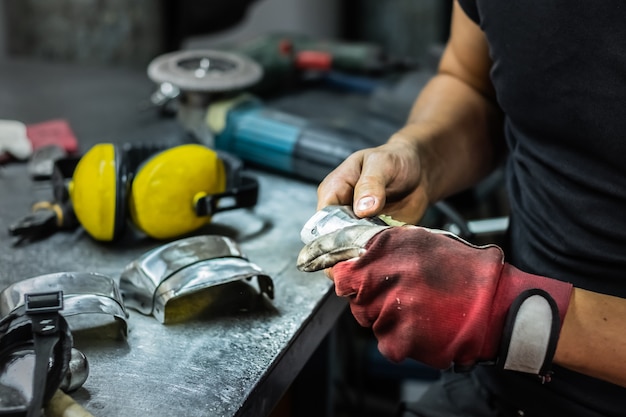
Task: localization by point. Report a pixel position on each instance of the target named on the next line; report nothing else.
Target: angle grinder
(210, 87)
(198, 78)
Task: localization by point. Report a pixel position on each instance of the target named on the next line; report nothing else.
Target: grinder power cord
(433, 297)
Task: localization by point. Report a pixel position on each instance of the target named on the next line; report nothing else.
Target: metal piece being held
(183, 268)
(333, 218)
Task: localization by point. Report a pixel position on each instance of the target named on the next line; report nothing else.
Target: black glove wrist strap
(531, 333)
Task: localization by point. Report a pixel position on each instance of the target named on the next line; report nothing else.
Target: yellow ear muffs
(98, 191)
(174, 192)
(165, 188)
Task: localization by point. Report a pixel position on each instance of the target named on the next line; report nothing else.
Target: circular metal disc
(205, 70)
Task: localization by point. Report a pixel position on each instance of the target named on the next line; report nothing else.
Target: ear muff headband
(163, 192)
(96, 192)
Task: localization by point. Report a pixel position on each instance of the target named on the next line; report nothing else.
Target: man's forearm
(456, 131)
(593, 336)
(455, 123)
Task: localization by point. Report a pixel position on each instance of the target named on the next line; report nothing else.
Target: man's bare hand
(382, 180)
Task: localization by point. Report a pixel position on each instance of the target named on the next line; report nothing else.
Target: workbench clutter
(161, 369)
(163, 192)
(39, 316)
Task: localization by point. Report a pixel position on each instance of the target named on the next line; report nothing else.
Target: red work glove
(440, 300)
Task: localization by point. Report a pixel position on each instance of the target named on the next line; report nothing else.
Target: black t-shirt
(559, 70)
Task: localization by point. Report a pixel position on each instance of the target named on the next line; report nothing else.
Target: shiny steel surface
(185, 267)
(84, 293)
(331, 218)
(77, 373)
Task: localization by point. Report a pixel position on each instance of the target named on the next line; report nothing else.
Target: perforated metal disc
(205, 70)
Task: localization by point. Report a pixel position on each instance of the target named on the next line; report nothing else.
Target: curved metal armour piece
(185, 267)
(84, 293)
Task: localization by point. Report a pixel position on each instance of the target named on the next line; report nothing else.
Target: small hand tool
(46, 218)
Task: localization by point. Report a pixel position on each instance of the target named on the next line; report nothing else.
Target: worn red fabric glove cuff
(530, 309)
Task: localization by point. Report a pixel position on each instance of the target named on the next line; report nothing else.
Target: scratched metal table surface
(234, 360)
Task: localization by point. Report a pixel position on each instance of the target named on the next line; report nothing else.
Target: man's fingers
(371, 189)
(338, 186)
(379, 180)
(369, 197)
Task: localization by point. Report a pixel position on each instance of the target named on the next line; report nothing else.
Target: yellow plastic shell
(93, 191)
(162, 194)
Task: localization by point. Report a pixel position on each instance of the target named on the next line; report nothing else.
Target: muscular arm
(450, 137)
(593, 340)
(455, 122)
(446, 145)
(593, 336)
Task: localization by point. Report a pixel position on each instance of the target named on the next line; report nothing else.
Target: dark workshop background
(346, 375)
(132, 32)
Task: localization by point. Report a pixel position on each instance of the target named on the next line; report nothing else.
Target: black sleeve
(471, 9)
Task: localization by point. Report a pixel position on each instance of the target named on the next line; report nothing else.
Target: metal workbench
(236, 361)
